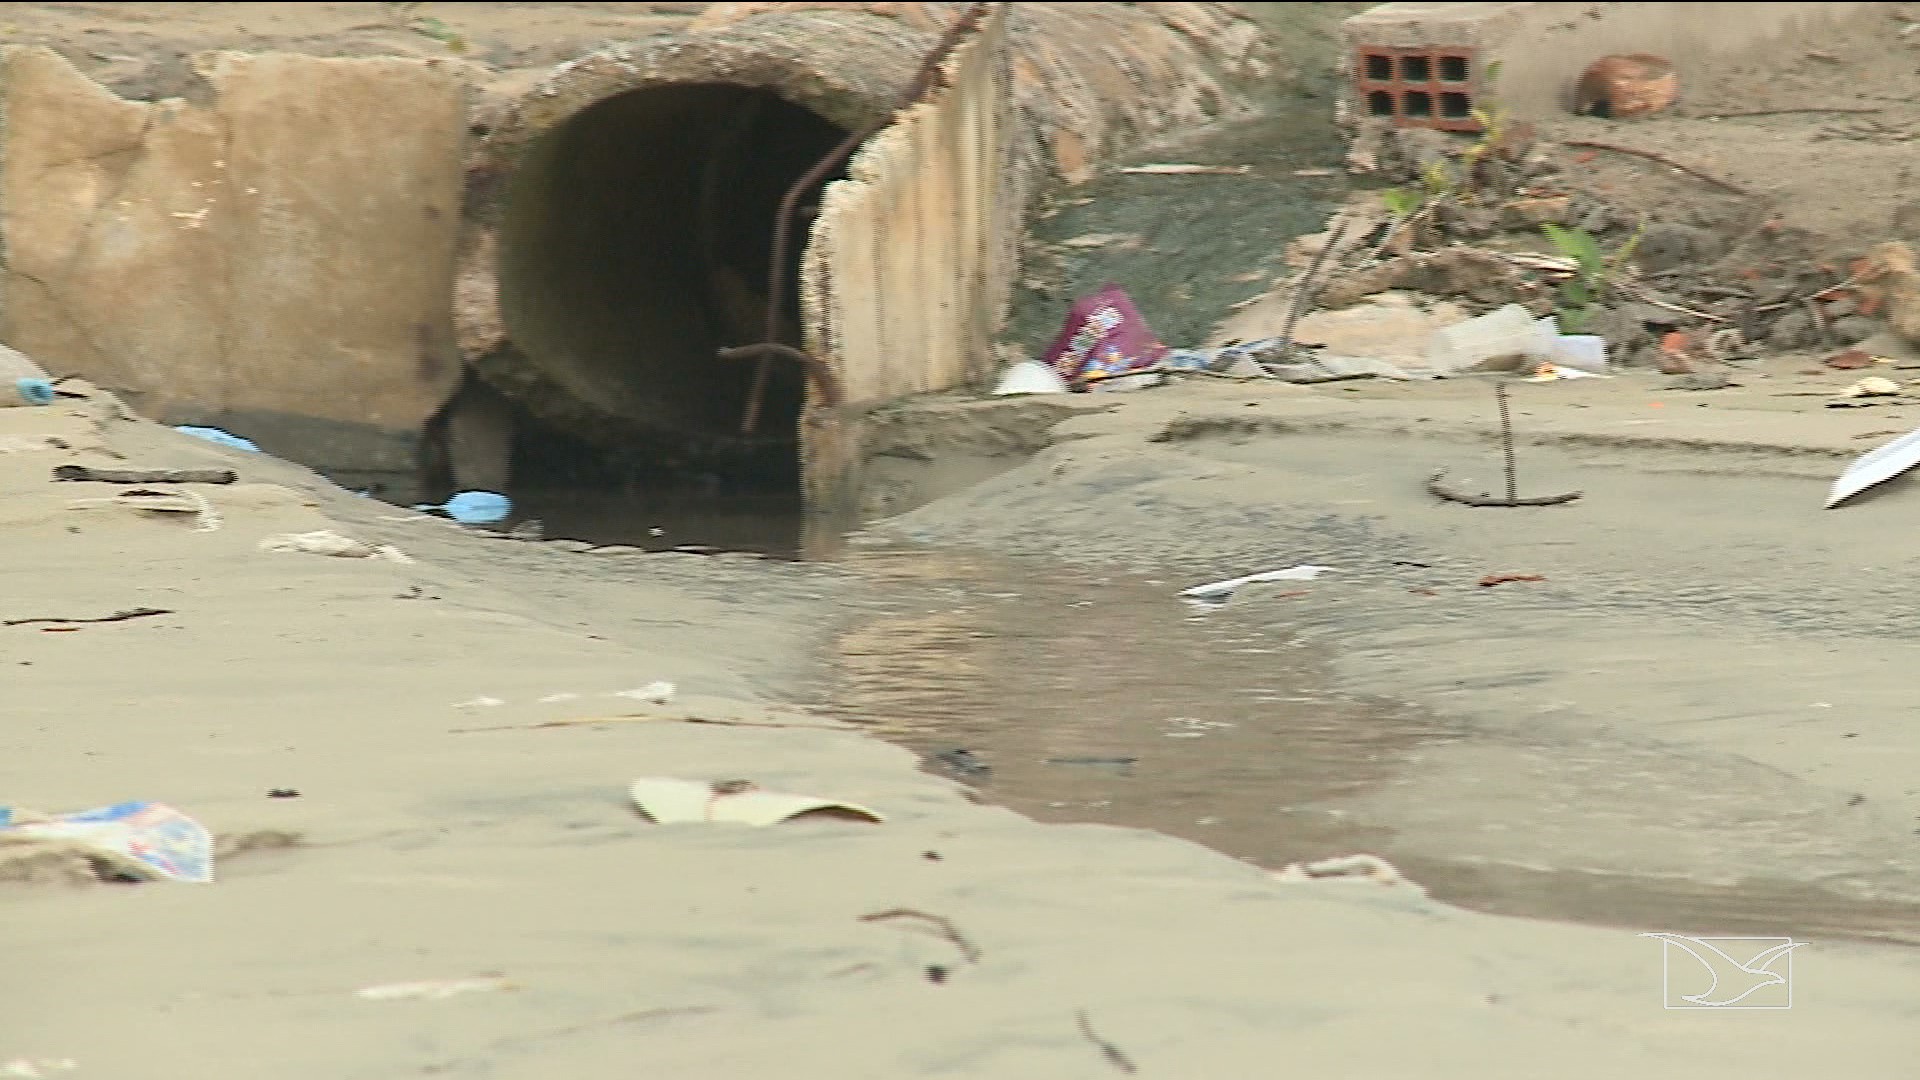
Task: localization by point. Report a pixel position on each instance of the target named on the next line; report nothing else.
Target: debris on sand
(1187, 170)
(667, 800)
(1216, 593)
(1876, 466)
(328, 542)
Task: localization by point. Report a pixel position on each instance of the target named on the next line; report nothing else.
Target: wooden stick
(951, 933)
(1112, 1053)
(118, 616)
(1782, 112)
(145, 476)
(1664, 160)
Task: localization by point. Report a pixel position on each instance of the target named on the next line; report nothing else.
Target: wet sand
(445, 838)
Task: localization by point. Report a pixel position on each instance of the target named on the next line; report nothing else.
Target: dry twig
(1664, 160)
(118, 616)
(947, 931)
(1782, 112)
(1112, 1053)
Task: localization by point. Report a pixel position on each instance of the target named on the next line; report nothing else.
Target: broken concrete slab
(282, 245)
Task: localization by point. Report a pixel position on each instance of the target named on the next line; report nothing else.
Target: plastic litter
(160, 501)
(36, 1068)
(224, 438)
(1104, 336)
(658, 693)
(1139, 380)
(1876, 466)
(1554, 373)
(1030, 377)
(474, 507)
(31, 392)
(433, 989)
(143, 841)
(328, 542)
(1217, 593)
(1581, 352)
(1490, 341)
(667, 800)
(1371, 869)
(29, 384)
(1871, 386)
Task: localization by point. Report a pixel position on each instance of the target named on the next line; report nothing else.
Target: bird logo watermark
(1727, 972)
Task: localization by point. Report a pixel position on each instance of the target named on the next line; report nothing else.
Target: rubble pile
(1504, 218)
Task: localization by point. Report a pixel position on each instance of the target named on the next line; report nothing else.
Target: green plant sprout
(1581, 293)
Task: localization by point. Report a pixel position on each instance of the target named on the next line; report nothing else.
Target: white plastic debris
(1217, 593)
(1030, 377)
(481, 702)
(36, 1068)
(1876, 466)
(1371, 869)
(433, 989)
(1490, 341)
(1581, 352)
(1871, 386)
(668, 800)
(160, 501)
(657, 693)
(328, 542)
(1556, 373)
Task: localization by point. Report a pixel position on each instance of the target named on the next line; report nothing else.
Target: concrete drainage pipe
(620, 213)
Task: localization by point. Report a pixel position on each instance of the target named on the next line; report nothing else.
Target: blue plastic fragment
(34, 391)
(218, 436)
(475, 507)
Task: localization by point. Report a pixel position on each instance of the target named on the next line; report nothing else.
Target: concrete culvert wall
(621, 212)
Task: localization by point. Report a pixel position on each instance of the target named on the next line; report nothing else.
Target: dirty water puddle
(1071, 695)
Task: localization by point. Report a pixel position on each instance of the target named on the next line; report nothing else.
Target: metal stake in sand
(1506, 440)
(1513, 498)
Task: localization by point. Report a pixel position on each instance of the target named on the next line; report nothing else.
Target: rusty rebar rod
(924, 81)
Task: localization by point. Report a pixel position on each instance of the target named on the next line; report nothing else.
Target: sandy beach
(437, 836)
(1117, 833)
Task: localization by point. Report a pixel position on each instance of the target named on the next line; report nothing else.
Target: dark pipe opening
(634, 245)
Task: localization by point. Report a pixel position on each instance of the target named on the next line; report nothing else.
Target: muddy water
(1102, 698)
(766, 525)
(1091, 697)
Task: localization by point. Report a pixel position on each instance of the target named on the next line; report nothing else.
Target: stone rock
(1852, 328)
(1531, 213)
(1595, 221)
(1891, 275)
(1839, 307)
(1469, 222)
(1626, 87)
(1666, 245)
(1622, 331)
(1416, 149)
(1793, 330)
(1715, 379)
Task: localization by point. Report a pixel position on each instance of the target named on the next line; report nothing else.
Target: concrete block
(282, 248)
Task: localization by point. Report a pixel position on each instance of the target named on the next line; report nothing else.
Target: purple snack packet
(1104, 337)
